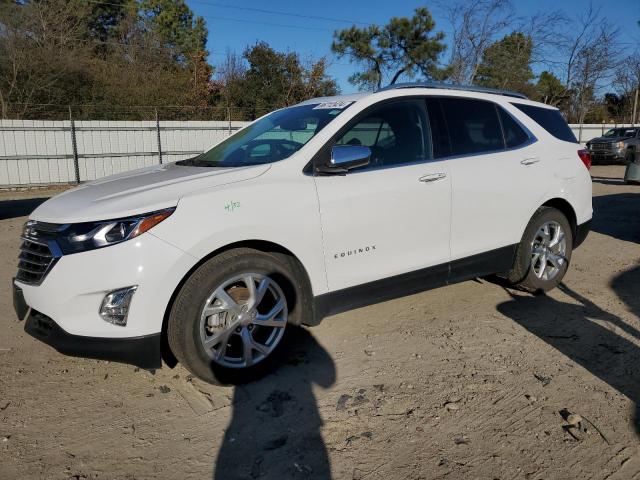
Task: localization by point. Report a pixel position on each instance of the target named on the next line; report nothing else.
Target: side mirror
(346, 157)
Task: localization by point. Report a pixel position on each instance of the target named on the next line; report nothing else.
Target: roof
(447, 86)
(355, 97)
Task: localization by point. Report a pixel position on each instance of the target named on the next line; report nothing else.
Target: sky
(232, 27)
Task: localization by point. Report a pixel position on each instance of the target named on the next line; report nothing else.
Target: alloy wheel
(243, 320)
(548, 251)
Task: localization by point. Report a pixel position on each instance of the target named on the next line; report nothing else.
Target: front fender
(283, 212)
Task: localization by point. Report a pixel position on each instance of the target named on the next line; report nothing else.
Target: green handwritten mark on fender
(231, 206)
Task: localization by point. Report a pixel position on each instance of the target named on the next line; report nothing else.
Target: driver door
(393, 215)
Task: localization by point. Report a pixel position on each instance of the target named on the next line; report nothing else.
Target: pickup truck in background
(616, 145)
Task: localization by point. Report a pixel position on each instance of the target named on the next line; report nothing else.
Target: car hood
(606, 139)
(138, 191)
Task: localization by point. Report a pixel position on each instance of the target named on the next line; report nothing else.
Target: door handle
(530, 161)
(432, 177)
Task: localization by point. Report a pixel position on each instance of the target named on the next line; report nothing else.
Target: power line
(241, 20)
(271, 24)
(238, 20)
(160, 47)
(280, 12)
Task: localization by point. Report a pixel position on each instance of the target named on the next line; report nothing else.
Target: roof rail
(449, 86)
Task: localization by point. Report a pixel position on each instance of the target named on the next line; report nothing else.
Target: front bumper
(607, 155)
(72, 292)
(144, 352)
(19, 303)
(63, 310)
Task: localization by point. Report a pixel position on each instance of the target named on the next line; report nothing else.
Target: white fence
(35, 152)
(588, 131)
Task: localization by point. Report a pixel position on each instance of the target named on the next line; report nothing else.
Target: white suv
(314, 209)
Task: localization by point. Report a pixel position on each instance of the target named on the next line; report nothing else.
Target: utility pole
(158, 137)
(635, 109)
(74, 146)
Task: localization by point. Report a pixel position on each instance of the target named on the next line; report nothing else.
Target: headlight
(79, 237)
(620, 144)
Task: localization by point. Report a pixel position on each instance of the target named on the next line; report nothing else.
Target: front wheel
(544, 253)
(629, 157)
(230, 317)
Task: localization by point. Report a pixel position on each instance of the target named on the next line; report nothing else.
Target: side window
(369, 132)
(396, 133)
(473, 125)
(259, 151)
(514, 135)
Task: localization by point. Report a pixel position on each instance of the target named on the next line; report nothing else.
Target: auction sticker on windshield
(332, 105)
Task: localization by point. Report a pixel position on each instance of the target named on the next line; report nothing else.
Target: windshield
(620, 132)
(272, 138)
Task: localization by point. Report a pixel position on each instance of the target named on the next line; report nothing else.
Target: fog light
(115, 305)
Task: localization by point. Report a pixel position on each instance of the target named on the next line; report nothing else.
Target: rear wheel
(544, 252)
(230, 318)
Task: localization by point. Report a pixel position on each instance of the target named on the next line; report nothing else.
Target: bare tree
(627, 79)
(40, 49)
(476, 24)
(547, 31)
(229, 75)
(590, 57)
(627, 75)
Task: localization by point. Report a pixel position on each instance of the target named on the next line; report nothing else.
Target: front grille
(34, 263)
(601, 146)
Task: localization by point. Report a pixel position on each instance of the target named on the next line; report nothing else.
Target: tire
(629, 157)
(527, 269)
(213, 344)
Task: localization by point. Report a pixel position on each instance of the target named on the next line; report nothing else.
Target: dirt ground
(467, 381)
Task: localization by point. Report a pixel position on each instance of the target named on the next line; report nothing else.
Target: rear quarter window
(514, 135)
(549, 119)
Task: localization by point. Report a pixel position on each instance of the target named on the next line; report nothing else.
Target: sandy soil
(468, 381)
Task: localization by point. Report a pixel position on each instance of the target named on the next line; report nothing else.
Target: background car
(616, 145)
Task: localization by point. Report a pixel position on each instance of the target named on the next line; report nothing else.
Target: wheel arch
(260, 245)
(567, 210)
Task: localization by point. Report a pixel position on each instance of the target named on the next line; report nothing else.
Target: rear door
(497, 174)
(392, 216)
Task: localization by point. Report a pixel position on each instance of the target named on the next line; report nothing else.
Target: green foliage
(176, 27)
(113, 56)
(275, 80)
(404, 46)
(104, 19)
(615, 105)
(506, 64)
(551, 90)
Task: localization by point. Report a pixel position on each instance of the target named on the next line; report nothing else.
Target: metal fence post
(74, 147)
(580, 133)
(158, 136)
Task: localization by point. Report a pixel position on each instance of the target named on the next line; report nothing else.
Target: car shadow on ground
(19, 208)
(618, 216)
(587, 334)
(608, 180)
(275, 427)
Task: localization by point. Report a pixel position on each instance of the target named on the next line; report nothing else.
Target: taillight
(585, 156)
